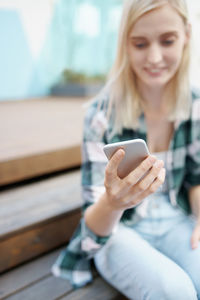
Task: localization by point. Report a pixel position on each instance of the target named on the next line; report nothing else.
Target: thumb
(114, 162)
(195, 237)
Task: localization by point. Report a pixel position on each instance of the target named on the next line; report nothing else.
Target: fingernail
(121, 151)
(194, 246)
(152, 158)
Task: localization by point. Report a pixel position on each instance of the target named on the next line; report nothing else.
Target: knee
(175, 288)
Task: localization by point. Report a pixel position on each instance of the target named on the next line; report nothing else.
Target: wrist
(109, 204)
(101, 218)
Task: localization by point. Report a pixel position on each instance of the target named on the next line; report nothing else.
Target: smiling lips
(154, 72)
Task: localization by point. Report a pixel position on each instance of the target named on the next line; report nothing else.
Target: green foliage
(81, 78)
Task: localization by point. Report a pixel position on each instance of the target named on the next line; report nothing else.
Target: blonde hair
(121, 86)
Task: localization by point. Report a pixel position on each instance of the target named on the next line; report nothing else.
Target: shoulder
(195, 104)
(96, 109)
(195, 94)
(95, 121)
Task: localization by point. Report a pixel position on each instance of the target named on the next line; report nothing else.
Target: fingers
(154, 173)
(140, 171)
(112, 166)
(158, 182)
(195, 237)
(141, 182)
(153, 186)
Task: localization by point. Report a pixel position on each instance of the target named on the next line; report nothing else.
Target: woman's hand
(195, 236)
(194, 198)
(128, 192)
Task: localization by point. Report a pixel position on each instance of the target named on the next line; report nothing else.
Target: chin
(156, 82)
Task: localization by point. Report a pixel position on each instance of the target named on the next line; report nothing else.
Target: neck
(152, 98)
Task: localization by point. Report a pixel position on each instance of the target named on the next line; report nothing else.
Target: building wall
(40, 38)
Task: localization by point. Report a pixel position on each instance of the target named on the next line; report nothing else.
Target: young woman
(143, 230)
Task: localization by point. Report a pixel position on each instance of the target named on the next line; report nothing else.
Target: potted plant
(76, 84)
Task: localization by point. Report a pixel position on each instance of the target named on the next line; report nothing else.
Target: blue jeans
(152, 258)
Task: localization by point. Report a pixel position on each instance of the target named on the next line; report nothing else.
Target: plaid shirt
(183, 165)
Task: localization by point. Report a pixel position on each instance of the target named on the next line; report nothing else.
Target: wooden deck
(39, 136)
(35, 281)
(37, 216)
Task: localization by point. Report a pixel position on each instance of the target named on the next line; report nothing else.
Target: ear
(188, 30)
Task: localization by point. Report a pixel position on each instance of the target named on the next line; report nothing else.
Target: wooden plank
(22, 168)
(35, 278)
(38, 217)
(35, 126)
(23, 276)
(98, 290)
(25, 206)
(40, 239)
(38, 136)
(50, 288)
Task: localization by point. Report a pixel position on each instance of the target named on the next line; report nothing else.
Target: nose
(154, 55)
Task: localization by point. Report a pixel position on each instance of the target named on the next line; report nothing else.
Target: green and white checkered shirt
(183, 165)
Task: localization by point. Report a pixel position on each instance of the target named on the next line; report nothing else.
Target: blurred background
(41, 38)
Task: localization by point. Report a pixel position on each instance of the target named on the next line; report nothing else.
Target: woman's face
(155, 46)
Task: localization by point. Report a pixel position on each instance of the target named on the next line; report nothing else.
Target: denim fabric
(152, 259)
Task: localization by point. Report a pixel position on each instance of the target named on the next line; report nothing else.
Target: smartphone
(135, 152)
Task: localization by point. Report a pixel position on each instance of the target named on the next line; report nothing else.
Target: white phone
(135, 152)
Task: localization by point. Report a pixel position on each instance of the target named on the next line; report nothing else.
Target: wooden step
(35, 281)
(39, 136)
(38, 217)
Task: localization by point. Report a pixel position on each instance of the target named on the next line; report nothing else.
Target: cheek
(135, 67)
(136, 60)
(174, 56)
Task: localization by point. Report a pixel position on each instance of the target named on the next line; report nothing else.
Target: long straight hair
(124, 97)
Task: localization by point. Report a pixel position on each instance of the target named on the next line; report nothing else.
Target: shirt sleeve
(193, 150)
(93, 169)
(93, 158)
(74, 261)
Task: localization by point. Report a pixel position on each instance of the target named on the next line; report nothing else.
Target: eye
(167, 42)
(140, 45)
